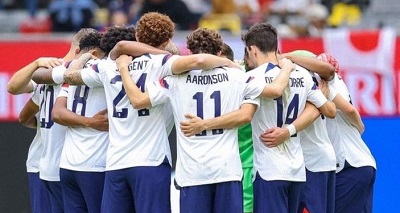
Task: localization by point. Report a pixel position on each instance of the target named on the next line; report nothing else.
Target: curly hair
(115, 34)
(154, 29)
(90, 41)
(204, 40)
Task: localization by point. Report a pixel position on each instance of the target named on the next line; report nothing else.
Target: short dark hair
(204, 40)
(262, 35)
(80, 34)
(90, 41)
(115, 34)
(227, 51)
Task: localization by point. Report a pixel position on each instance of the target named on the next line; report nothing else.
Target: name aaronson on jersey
(207, 79)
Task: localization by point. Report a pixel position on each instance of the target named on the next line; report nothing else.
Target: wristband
(292, 129)
(58, 74)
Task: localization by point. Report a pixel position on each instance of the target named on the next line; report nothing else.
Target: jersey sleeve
(157, 92)
(36, 94)
(332, 93)
(315, 95)
(91, 75)
(64, 91)
(166, 64)
(254, 87)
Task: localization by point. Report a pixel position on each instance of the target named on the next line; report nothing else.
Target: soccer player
(356, 176)
(83, 156)
(280, 170)
(28, 117)
(48, 165)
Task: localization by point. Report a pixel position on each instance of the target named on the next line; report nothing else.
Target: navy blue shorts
(138, 189)
(276, 195)
(82, 191)
(54, 191)
(218, 197)
(354, 189)
(40, 201)
(319, 192)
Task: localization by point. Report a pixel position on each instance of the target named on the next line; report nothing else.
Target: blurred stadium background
(363, 35)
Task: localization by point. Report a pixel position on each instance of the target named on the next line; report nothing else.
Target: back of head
(204, 40)
(227, 52)
(330, 59)
(262, 35)
(154, 29)
(90, 41)
(115, 34)
(80, 34)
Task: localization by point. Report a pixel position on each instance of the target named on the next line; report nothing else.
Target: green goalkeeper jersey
(246, 146)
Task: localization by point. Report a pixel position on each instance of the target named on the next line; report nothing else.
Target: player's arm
(277, 135)
(72, 75)
(200, 61)
(276, 88)
(27, 114)
(195, 125)
(133, 48)
(137, 98)
(20, 81)
(65, 117)
(350, 112)
(325, 70)
(43, 76)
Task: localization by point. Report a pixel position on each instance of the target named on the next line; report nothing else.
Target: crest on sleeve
(164, 83)
(95, 67)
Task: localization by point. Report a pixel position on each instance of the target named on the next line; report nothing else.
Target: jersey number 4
(292, 111)
(199, 97)
(123, 112)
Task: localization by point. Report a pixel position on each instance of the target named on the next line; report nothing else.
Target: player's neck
(267, 58)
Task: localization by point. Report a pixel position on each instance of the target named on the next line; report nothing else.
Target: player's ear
(77, 51)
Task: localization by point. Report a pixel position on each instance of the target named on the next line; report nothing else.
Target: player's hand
(48, 62)
(99, 121)
(274, 136)
(284, 62)
(361, 128)
(192, 126)
(123, 61)
(232, 64)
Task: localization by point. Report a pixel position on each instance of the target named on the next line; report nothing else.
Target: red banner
(369, 61)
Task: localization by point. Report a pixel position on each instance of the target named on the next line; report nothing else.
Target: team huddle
(273, 133)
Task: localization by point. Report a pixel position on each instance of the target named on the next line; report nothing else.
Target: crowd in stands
(292, 18)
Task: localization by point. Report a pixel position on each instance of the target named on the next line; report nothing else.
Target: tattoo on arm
(73, 77)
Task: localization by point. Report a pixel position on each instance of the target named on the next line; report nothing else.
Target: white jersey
(284, 162)
(210, 156)
(52, 133)
(346, 135)
(319, 154)
(36, 147)
(85, 149)
(137, 137)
